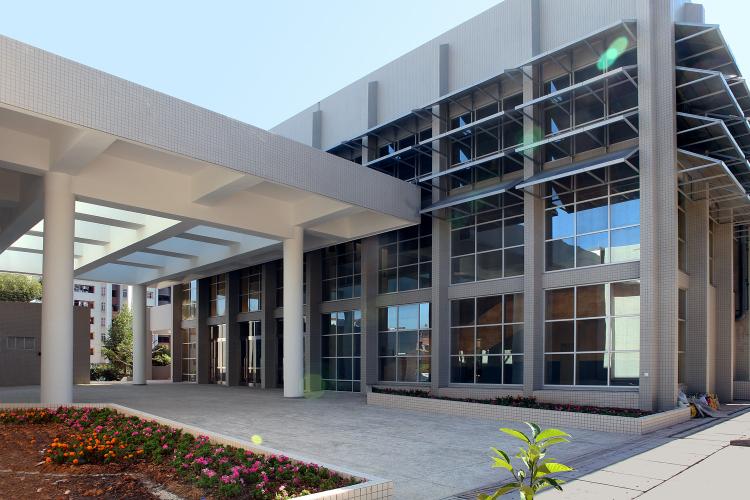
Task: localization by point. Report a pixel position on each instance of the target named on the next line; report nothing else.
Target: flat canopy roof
(458, 199)
(165, 189)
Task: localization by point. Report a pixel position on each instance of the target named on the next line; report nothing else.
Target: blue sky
(261, 61)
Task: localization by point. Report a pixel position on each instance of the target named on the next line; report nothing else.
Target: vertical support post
(725, 340)
(141, 344)
(658, 160)
(441, 235)
(314, 270)
(204, 341)
(268, 328)
(293, 313)
(57, 281)
(698, 353)
(176, 336)
(234, 342)
(533, 298)
(369, 328)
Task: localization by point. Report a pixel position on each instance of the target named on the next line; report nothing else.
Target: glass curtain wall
(341, 350)
(342, 271)
(487, 340)
(251, 294)
(593, 218)
(404, 343)
(189, 339)
(189, 300)
(592, 335)
(217, 295)
(405, 258)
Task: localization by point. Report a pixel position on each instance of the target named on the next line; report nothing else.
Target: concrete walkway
(427, 456)
(690, 461)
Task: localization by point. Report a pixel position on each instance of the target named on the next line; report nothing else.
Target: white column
(141, 344)
(57, 279)
(293, 313)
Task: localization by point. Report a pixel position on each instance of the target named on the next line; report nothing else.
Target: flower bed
(520, 402)
(103, 436)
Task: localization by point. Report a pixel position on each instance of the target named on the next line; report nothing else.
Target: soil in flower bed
(520, 402)
(85, 452)
(24, 474)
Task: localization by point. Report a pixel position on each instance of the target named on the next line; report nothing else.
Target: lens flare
(313, 386)
(610, 56)
(256, 439)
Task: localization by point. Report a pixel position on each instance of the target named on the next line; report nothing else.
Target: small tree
(537, 471)
(118, 346)
(161, 356)
(19, 288)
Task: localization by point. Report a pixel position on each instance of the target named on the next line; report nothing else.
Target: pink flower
(208, 472)
(165, 447)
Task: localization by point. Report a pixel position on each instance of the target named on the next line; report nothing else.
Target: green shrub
(161, 356)
(104, 372)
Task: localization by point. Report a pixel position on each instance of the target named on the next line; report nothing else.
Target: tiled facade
(544, 183)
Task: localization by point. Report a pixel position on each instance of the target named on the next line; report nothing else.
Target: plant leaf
(551, 433)
(554, 467)
(500, 463)
(502, 454)
(555, 482)
(516, 434)
(500, 492)
(552, 441)
(535, 429)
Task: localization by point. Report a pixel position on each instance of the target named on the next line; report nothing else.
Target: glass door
(218, 354)
(251, 353)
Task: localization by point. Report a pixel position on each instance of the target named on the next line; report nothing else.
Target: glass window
(593, 218)
(487, 340)
(342, 272)
(189, 339)
(592, 335)
(405, 258)
(341, 351)
(488, 243)
(217, 295)
(251, 280)
(189, 300)
(681, 233)
(404, 340)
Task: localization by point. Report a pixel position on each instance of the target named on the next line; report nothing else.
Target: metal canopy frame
(579, 167)
(703, 46)
(477, 194)
(624, 117)
(706, 92)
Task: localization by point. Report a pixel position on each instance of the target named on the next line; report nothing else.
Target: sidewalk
(692, 463)
(691, 460)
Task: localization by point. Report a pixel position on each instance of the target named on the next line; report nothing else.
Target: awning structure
(579, 167)
(458, 199)
(701, 177)
(165, 190)
(711, 137)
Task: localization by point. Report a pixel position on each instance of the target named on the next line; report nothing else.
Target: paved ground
(427, 456)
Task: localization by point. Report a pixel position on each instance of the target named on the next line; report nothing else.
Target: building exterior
(104, 301)
(551, 259)
(548, 200)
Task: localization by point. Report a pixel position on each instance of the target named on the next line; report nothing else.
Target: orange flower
(75, 461)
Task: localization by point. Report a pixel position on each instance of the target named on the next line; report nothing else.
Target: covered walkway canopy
(103, 179)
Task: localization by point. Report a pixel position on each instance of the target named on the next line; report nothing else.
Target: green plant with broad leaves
(537, 471)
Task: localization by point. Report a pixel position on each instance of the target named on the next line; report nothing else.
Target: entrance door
(218, 354)
(251, 353)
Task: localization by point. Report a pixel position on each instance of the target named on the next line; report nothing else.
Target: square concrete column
(204, 341)
(369, 326)
(725, 348)
(441, 261)
(313, 381)
(269, 344)
(533, 262)
(658, 160)
(700, 340)
(57, 281)
(141, 335)
(176, 338)
(294, 369)
(234, 342)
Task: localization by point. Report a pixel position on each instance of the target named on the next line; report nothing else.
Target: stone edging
(590, 421)
(374, 488)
